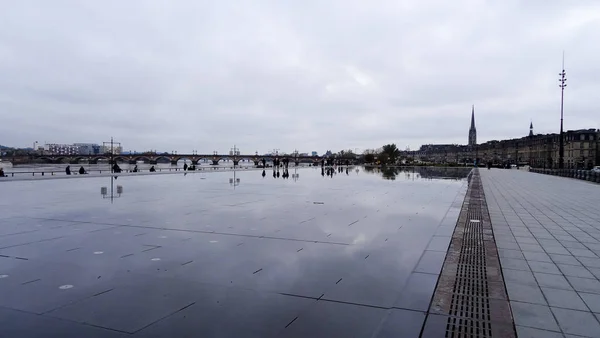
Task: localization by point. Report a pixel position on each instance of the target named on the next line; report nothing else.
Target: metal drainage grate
(464, 291)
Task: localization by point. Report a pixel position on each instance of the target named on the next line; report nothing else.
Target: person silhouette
(322, 171)
(82, 171)
(274, 175)
(264, 173)
(68, 170)
(185, 166)
(135, 169)
(152, 169)
(2, 173)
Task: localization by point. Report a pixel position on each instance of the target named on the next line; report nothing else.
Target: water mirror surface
(245, 253)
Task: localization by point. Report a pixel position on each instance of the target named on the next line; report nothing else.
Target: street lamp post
(295, 157)
(235, 151)
(562, 85)
(112, 152)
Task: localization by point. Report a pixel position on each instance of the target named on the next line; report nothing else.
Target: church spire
(472, 130)
(531, 129)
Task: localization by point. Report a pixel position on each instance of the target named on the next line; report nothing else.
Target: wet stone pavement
(217, 255)
(547, 231)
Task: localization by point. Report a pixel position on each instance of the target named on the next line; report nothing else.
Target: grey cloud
(311, 75)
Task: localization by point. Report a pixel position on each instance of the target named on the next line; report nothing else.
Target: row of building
(78, 149)
(581, 150)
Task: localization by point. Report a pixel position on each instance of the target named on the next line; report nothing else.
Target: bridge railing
(586, 175)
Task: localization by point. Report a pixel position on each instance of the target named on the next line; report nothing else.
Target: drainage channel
(470, 298)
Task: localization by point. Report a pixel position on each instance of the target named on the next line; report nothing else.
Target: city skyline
(320, 77)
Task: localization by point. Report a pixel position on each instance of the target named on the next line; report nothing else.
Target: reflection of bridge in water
(153, 158)
(448, 173)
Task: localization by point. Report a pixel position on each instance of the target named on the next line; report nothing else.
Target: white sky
(313, 75)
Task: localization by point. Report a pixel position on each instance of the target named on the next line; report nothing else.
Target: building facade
(106, 149)
(61, 149)
(88, 148)
(581, 150)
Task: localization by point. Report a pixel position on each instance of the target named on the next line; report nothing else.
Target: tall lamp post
(112, 151)
(235, 151)
(562, 85)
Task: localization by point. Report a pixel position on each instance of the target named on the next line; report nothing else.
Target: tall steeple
(472, 130)
(531, 129)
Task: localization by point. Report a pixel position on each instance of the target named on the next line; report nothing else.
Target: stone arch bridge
(153, 158)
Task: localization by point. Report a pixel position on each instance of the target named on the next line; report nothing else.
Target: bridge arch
(96, 159)
(164, 158)
(46, 159)
(142, 158)
(187, 158)
(120, 159)
(63, 159)
(79, 158)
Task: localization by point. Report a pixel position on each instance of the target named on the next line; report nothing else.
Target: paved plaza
(547, 231)
(247, 255)
(218, 255)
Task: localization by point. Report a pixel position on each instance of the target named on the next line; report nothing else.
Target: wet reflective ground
(318, 254)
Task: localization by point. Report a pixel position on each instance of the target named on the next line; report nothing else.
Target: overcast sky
(286, 74)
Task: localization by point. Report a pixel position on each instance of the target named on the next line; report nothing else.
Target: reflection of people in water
(264, 173)
(82, 171)
(152, 170)
(68, 170)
